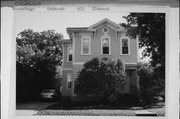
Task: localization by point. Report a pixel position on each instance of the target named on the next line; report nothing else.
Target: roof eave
(105, 20)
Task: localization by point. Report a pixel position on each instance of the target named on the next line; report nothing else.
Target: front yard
(82, 109)
(88, 112)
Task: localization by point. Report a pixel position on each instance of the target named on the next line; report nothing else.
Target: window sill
(105, 54)
(125, 54)
(85, 54)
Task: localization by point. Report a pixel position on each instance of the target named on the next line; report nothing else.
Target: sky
(59, 21)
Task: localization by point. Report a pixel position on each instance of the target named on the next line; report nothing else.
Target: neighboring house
(103, 39)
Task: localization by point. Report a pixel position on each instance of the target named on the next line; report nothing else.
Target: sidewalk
(31, 108)
(144, 113)
(97, 112)
(26, 112)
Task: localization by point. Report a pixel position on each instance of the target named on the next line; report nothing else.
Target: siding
(76, 69)
(65, 91)
(96, 52)
(66, 64)
(96, 47)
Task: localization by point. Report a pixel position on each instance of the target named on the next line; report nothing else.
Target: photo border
(8, 64)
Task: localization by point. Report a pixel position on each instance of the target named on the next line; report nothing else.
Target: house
(103, 39)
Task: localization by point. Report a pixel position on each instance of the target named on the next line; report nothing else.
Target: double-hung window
(125, 46)
(70, 54)
(105, 45)
(86, 45)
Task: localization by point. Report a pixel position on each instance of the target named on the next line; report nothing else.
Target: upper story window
(86, 45)
(105, 45)
(70, 54)
(125, 46)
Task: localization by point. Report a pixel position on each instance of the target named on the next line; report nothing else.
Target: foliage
(101, 77)
(39, 50)
(150, 29)
(32, 45)
(28, 83)
(150, 87)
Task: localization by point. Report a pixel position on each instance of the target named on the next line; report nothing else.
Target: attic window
(105, 30)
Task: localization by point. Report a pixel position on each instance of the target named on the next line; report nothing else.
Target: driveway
(31, 108)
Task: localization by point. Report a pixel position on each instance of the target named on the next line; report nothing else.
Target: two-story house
(103, 39)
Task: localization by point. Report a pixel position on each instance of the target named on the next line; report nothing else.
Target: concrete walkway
(26, 112)
(144, 113)
(31, 108)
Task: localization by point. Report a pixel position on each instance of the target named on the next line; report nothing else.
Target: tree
(101, 77)
(40, 50)
(150, 29)
(149, 84)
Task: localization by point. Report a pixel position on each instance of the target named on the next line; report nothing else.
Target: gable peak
(103, 21)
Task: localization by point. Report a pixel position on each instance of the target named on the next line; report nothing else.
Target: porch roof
(66, 41)
(131, 65)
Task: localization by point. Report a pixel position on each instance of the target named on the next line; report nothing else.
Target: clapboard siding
(76, 69)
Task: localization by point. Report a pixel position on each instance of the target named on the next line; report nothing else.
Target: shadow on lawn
(125, 104)
(67, 104)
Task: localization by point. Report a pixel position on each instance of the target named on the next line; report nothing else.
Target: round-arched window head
(105, 30)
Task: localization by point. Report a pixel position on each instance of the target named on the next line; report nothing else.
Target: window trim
(82, 45)
(106, 36)
(106, 28)
(121, 53)
(68, 47)
(67, 76)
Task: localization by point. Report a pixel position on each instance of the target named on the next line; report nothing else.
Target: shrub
(150, 84)
(101, 77)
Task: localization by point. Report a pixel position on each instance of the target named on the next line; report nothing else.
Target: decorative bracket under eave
(75, 33)
(93, 32)
(118, 33)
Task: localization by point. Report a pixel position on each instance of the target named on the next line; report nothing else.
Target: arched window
(105, 45)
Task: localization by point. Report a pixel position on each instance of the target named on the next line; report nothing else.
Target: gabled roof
(94, 25)
(77, 28)
(105, 20)
(69, 29)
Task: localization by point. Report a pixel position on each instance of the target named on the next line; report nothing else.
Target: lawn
(88, 112)
(97, 109)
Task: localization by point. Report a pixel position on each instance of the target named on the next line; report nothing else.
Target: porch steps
(144, 113)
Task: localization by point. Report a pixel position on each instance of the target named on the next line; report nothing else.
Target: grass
(89, 112)
(97, 109)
